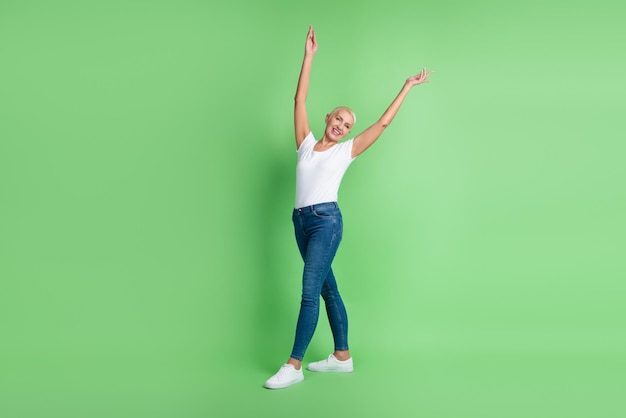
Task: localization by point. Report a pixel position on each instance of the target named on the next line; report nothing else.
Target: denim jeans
(319, 229)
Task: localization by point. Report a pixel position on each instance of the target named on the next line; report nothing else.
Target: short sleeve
(306, 143)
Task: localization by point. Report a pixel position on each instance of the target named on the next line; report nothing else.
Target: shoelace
(283, 371)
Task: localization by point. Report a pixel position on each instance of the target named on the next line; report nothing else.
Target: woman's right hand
(310, 47)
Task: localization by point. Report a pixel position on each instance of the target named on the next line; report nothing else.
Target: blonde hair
(338, 108)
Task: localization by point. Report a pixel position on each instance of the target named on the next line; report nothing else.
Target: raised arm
(301, 119)
(366, 138)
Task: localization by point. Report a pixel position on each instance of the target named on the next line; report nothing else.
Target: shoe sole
(329, 370)
(283, 386)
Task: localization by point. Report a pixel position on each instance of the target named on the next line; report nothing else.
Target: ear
(327, 118)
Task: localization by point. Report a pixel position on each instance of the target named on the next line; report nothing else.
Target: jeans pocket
(325, 212)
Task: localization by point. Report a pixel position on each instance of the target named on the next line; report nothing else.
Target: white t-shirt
(319, 174)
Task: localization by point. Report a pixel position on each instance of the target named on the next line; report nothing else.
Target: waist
(317, 207)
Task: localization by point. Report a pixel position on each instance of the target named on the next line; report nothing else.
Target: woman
(317, 218)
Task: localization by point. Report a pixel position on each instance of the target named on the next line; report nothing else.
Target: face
(338, 124)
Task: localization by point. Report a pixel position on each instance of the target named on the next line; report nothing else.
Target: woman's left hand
(420, 78)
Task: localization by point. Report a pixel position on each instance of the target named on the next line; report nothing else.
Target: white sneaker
(286, 376)
(331, 364)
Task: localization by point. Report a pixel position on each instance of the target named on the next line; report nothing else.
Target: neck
(327, 142)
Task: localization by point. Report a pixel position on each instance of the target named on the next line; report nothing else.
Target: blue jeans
(319, 229)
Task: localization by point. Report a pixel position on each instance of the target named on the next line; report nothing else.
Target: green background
(147, 261)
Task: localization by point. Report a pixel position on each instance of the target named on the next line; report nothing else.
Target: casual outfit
(318, 227)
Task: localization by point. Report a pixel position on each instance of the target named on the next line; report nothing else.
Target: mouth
(336, 131)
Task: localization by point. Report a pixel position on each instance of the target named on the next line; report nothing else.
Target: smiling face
(339, 123)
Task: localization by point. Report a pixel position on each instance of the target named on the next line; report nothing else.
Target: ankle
(342, 355)
(297, 364)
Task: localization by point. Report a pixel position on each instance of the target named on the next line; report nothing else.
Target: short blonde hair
(338, 108)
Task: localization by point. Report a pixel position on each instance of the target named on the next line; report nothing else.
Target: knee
(309, 300)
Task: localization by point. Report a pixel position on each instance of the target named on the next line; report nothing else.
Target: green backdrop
(147, 260)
